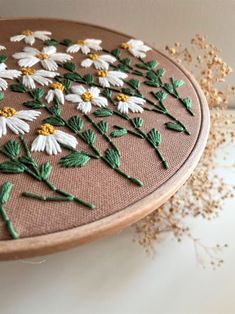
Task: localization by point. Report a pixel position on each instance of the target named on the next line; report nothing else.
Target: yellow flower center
(57, 85)
(81, 42)
(93, 56)
(7, 112)
(102, 73)
(42, 56)
(27, 71)
(125, 46)
(87, 96)
(27, 32)
(46, 129)
(122, 97)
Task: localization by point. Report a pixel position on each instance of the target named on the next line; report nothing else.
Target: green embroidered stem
(129, 131)
(4, 196)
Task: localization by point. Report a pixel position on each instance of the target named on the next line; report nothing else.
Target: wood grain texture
(58, 241)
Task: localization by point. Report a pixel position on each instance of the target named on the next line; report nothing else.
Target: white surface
(115, 276)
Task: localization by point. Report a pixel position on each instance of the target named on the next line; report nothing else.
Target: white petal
(93, 43)
(73, 98)
(45, 73)
(137, 53)
(50, 50)
(78, 89)
(17, 38)
(17, 126)
(52, 147)
(42, 35)
(101, 64)
(2, 47)
(73, 48)
(104, 82)
(49, 64)
(61, 57)
(117, 74)
(85, 50)
(3, 67)
(3, 127)
(10, 74)
(30, 40)
(107, 58)
(137, 100)
(28, 115)
(65, 138)
(28, 62)
(22, 55)
(41, 80)
(123, 107)
(134, 107)
(87, 63)
(3, 84)
(28, 81)
(95, 91)
(100, 101)
(39, 144)
(84, 106)
(50, 96)
(60, 96)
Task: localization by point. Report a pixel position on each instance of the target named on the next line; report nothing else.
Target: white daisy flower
(6, 74)
(101, 62)
(55, 91)
(49, 138)
(14, 120)
(48, 57)
(31, 75)
(129, 102)
(85, 98)
(29, 36)
(136, 47)
(85, 46)
(2, 47)
(108, 78)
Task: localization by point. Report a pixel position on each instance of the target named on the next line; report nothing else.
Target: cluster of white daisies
(48, 137)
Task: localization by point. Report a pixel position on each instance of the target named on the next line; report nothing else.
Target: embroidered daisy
(2, 47)
(108, 78)
(13, 119)
(29, 36)
(85, 98)
(55, 91)
(31, 75)
(129, 102)
(6, 74)
(101, 62)
(49, 138)
(136, 48)
(85, 46)
(48, 57)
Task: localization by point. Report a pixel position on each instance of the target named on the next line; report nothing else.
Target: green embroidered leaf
(152, 64)
(70, 66)
(116, 53)
(103, 126)
(5, 192)
(75, 123)
(46, 169)
(75, 159)
(3, 59)
(123, 68)
(37, 93)
(113, 158)
(174, 126)
(27, 161)
(11, 167)
(1, 96)
(137, 122)
(73, 77)
(12, 148)
(34, 104)
(51, 42)
(127, 91)
(89, 78)
(161, 95)
(126, 61)
(152, 76)
(152, 83)
(188, 102)
(107, 93)
(19, 88)
(160, 72)
(55, 109)
(154, 137)
(103, 112)
(118, 133)
(66, 42)
(169, 88)
(89, 136)
(67, 84)
(56, 121)
(178, 83)
(142, 66)
(134, 83)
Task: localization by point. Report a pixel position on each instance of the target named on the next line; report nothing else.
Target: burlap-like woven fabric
(95, 182)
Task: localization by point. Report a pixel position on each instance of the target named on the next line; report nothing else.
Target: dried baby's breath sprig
(205, 192)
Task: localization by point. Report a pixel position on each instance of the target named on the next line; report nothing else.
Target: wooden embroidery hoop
(59, 241)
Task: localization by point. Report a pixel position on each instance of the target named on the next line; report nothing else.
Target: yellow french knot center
(7, 112)
(42, 55)
(27, 32)
(125, 46)
(46, 129)
(57, 86)
(122, 97)
(87, 96)
(93, 56)
(102, 73)
(81, 42)
(27, 71)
